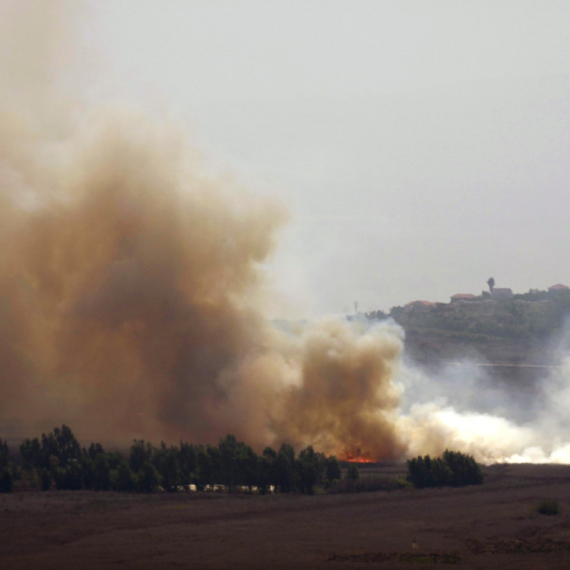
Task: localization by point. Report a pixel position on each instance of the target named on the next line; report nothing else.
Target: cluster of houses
(496, 294)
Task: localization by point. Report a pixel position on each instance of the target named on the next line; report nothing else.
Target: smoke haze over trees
(133, 290)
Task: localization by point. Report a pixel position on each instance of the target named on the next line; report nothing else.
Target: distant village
(495, 313)
(495, 294)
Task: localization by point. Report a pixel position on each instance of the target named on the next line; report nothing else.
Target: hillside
(519, 330)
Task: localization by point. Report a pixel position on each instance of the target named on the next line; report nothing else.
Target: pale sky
(421, 146)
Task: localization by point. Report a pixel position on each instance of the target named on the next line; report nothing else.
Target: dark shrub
(334, 471)
(465, 469)
(547, 507)
(125, 479)
(4, 454)
(45, 479)
(352, 473)
(148, 479)
(6, 480)
(308, 470)
(452, 469)
(284, 468)
(101, 481)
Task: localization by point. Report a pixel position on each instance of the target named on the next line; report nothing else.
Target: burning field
(133, 291)
(134, 295)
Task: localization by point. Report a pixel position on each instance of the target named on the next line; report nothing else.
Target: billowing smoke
(132, 290)
(345, 399)
(131, 283)
(131, 286)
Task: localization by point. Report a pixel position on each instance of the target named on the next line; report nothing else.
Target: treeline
(57, 460)
(453, 469)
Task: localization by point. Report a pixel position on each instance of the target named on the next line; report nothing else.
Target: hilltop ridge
(498, 327)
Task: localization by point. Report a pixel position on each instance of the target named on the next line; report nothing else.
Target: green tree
(4, 454)
(465, 470)
(94, 450)
(491, 283)
(187, 461)
(87, 471)
(453, 469)
(8, 471)
(141, 453)
(148, 479)
(352, 473)
(101, 475)
(266, 470)
(45, 479)
(6, 480)
(249, 463)
(125, 478)
(229, 453)
(333, 469)
(308, 470)
(204, 475)
(71, 477)
(284, 466)
(31, 454)
(166, 462)
(62, 444)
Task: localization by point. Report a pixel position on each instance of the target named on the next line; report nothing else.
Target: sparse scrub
(547, 507)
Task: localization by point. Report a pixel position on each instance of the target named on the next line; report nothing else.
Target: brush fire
(132, 291)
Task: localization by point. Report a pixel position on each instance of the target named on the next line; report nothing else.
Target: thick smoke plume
(132, 290)
(130, 283)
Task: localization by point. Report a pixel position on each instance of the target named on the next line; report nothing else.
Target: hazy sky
(421, 146)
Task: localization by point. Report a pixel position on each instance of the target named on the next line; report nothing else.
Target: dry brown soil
(489, 526)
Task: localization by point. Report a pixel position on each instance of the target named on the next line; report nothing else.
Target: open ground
(487, 526)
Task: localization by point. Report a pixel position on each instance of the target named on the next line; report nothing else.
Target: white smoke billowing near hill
(469, 409)
(131, 295)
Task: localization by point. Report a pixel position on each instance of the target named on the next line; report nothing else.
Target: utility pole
(356, 307)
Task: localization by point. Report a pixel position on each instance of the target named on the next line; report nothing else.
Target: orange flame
(356, 456)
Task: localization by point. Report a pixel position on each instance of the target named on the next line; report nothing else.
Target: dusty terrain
(490, 526)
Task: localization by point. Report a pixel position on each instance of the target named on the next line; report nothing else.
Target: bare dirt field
(489, 526)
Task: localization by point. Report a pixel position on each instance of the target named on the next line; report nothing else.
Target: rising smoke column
(133, 283)
(130, 286)
(345, 401)
(130, 281)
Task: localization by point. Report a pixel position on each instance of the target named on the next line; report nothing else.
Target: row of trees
(58, 459)
(453, 469)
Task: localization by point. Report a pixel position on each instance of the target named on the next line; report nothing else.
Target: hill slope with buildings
(500, 326)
